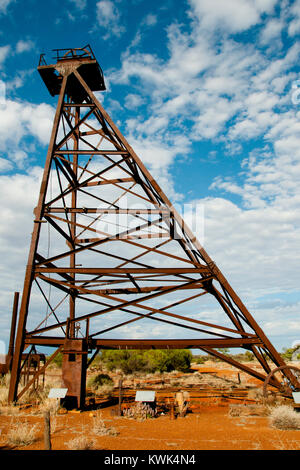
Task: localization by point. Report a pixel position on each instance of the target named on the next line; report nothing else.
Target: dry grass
(3, 395)
(104, 390)
(49, 404)
(10, 410)
(284, 417)
(282, 443)
(81, 443)
(256, 394)
(5, 407)
(4, 380)
(4, 385)
(100, 428)
(248, 410)
(21, 434)
(101, 385)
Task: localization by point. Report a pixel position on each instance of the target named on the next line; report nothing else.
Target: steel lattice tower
(108, 250)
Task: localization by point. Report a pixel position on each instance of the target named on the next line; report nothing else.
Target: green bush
(99, 380)
(147, 361)
(168, 360)
(127, 361)
(130, 361)
(201, 359)
(248, 356)
(288, 353)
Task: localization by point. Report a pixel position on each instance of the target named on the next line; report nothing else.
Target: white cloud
(150, 20)
(4, 4)
(4, 52)
(157, 154)
(18, 80)
(5, 165)
(209, 84)
(255, 248)
(272, 31)
(232, 15)
(133, 101)
(294, 24)
(17, 120)
(24, 46)
(79, 4)
(108, 18)
(18, 194)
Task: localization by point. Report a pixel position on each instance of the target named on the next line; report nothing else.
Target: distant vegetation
(163, 360)
(240, 357)
(99, 380)
(146, 361)
(289, 352)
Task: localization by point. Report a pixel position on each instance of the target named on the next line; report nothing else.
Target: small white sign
(296, 396)
(145, 395)
(57, 392)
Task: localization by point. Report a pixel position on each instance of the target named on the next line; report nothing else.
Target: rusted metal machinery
(110, 254)
(31, 365)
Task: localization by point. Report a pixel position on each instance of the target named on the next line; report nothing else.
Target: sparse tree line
(148, 361)
(162, 360)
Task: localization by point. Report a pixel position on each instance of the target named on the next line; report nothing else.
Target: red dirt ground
(208, 427)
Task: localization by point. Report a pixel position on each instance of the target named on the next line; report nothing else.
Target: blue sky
(206, 93)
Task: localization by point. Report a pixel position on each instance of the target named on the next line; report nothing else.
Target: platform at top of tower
(83, 60)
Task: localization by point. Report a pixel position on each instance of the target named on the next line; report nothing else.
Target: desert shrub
(100, 428)
(200, 359)
(248, 356)
(49, 404)
(35, 396)
(99, 380)
(136, 362)
(248, 410)
(3, 395)
(127, 361)
(147, 361)
(21, 434)
(101, 384)
(168, 360)
(287, 353)
(5, 380)
(96, 363)
(180, 360)
(4, 386)
(235, 410)
(255, 394)
(284, 417)
(81, 443)
(140, 411)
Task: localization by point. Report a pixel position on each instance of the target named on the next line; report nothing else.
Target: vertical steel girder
(130, 256)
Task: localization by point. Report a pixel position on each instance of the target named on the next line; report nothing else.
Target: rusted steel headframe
(127, 256)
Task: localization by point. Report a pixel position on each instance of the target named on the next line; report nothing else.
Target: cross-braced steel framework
(109, 252)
